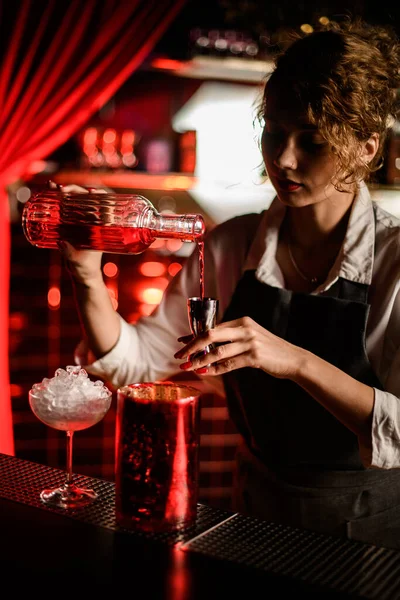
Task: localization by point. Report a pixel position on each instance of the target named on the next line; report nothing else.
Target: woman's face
(298, 160)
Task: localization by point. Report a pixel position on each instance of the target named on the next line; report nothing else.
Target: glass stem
(70, 435)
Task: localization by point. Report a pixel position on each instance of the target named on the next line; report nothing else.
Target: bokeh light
(160, 243)
(152, 295)
(174, 268)
(54, 298)
(152, 269)
(110, 269)
(174, 245)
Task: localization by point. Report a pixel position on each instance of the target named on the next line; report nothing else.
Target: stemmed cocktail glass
(69, 401)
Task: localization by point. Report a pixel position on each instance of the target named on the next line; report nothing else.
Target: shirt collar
(354, 262)
(357, 256)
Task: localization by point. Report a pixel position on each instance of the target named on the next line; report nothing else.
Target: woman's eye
(272, 136)
(313, 142)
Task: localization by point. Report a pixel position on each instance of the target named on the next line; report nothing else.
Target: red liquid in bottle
(115, 223)
(115, 239)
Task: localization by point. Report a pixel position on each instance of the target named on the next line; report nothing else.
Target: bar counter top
(223, 555)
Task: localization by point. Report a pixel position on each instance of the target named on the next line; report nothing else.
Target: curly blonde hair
(346, 79)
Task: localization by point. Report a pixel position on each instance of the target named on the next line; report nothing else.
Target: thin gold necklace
(313, 280)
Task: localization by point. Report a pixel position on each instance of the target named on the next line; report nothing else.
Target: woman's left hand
(242, 343)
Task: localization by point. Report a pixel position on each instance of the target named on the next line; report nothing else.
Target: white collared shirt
(370, 254)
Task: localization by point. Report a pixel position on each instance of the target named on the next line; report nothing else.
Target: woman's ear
(370, 148)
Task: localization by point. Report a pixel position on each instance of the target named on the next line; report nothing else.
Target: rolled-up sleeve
(114, 366)
(386, 431)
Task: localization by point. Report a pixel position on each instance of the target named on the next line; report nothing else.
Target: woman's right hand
(83, 265)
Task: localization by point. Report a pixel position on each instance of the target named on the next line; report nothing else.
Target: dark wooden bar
(48, 550)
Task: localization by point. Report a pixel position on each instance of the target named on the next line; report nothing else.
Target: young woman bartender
(309, 323)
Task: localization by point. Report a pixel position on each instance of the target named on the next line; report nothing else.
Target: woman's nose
(285, 157)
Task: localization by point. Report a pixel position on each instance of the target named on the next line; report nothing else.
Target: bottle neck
(185, 227)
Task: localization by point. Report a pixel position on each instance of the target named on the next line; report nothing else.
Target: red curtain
(59, 64)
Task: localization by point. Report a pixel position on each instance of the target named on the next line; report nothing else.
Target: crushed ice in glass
(70, 385)
(70, 400)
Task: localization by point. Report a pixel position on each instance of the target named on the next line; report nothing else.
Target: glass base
(68, 496)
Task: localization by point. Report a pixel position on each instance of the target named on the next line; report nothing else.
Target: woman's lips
(288, 185)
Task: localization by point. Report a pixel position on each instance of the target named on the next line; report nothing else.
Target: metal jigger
(202, 314)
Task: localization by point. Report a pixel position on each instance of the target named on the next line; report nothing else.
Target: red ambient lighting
(152, 269)
(54, 298)
(110, 269)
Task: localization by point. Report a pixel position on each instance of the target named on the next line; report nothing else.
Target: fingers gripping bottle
(115, 223)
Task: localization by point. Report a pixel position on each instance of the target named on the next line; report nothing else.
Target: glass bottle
(115, 223)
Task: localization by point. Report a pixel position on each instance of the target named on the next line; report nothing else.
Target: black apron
(298, 464)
